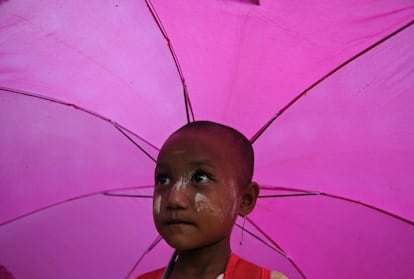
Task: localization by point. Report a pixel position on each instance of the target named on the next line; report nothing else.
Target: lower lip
(179, 226)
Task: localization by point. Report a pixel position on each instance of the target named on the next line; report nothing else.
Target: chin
(180, 245)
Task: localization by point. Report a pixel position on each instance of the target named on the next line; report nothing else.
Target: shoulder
(156, 274)
(277, 275)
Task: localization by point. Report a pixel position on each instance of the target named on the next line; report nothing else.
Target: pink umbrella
(91, 89)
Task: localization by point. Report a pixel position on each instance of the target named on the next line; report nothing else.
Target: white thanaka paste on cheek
(202, 203)
(157, 204)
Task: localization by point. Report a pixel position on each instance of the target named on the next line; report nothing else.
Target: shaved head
(239, 148)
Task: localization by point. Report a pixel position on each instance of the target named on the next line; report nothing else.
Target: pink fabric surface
(329, 238)
(109, 58)
(85, 238)
(90, 90)
(351, 136)
(258, 58)
(54, 153)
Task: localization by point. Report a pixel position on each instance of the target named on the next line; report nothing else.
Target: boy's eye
(200, 177)
(162, 180)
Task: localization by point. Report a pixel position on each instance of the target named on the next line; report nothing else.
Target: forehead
(195, 144)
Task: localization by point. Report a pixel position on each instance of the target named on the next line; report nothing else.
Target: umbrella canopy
(90, 90)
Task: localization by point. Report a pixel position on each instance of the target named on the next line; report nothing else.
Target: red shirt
(236, 268)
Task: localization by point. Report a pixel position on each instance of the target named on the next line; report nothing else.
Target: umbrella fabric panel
(52, 152)
(95, 237)
(108, 57)
(243, 62)
(352, 135)
(333, 238)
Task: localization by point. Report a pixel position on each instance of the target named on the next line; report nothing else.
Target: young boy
(203, 180)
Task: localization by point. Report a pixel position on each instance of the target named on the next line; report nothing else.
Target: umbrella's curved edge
(104, 192)
(187, 102)
(326, 76)
(118, 126)
(278, 247)
(301, 192)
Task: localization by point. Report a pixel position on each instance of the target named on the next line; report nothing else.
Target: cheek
(201, 202)
(157, 204)
(218, 210)
(233, 194)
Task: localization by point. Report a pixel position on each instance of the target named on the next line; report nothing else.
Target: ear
(249, 196)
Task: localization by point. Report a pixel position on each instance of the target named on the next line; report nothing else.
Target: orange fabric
(236, 268)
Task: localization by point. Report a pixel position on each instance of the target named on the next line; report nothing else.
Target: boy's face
(196, 196)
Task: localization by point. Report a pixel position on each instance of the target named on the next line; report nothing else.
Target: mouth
(178, 222)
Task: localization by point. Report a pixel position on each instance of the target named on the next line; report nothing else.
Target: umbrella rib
(298, 192)
(326, 76)
(282, 188)
(278, 247)
(152, 246)
(69, 200)
(315, 193)
(187, 103)
(288, 195)
(188, 109)
(126, 195)
(275, 248)
(136, 144)
(92, 113)
(370, 207)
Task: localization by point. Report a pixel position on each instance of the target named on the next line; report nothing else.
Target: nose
(178, 196)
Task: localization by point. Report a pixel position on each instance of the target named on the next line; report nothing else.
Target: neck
(211, 259)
